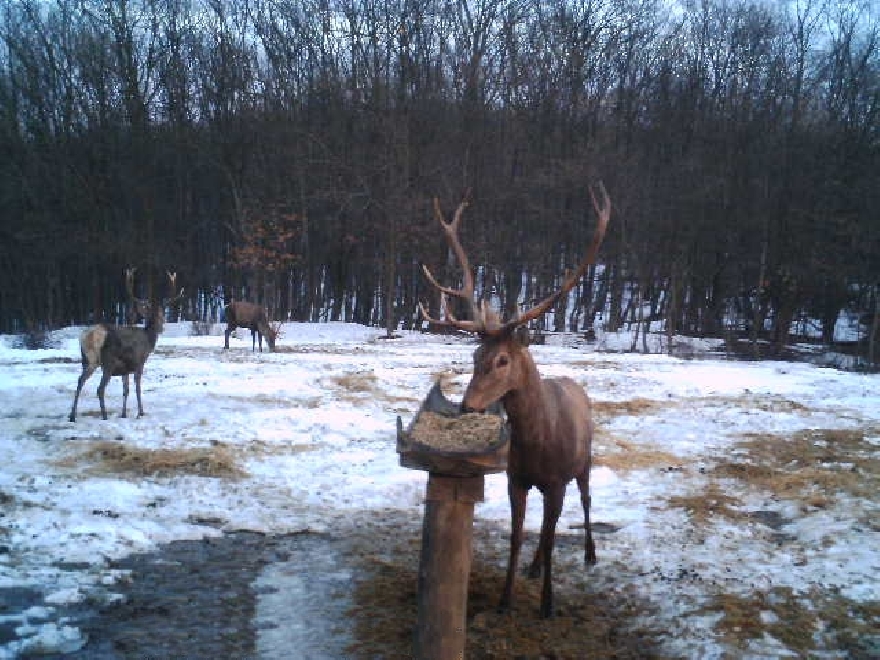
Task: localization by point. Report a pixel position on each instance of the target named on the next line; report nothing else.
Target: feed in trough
(470, 432)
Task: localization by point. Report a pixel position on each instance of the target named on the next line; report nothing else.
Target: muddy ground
(351, 594)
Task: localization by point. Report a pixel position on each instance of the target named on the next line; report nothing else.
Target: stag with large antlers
(550, 418)
(121, 351)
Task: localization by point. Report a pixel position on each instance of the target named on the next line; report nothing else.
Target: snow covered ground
(687, 468)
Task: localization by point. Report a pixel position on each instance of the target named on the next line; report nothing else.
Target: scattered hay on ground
(448, 378)
(604, 624)
(637, 406)
(354, 385)
(815, 621)
(620, 455)
(117, 458)
(596, 364)
(753, 401)
(257, 448)
(811, 466)
(711, 502)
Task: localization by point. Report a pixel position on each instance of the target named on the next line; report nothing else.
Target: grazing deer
(251, 316)
(550, 418)
(127, 347)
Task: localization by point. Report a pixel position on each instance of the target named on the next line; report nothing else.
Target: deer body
(550, 418)
(251, 316)
(121, 351)
(551, 433)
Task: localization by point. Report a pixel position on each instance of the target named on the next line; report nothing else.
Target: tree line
(288, 152)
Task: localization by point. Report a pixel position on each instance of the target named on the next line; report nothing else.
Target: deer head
(499, 364)
(143, 308)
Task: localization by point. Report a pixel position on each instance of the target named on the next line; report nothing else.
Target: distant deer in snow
(249, 315)
(120, 351)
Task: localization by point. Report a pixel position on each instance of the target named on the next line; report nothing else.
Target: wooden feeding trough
(457, 450)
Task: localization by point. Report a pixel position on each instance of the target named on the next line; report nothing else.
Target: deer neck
(525, 406)
(153, 329)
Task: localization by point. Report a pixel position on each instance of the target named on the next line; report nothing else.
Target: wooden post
(445, 566)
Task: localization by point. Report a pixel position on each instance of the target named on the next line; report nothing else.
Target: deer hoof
(71, 419)
(534, 571)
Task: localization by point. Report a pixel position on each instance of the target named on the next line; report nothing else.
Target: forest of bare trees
(288, 152)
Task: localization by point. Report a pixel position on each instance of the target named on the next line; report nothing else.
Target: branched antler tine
(603, 210)
(443, 289)
(450, 320)
(451, 231)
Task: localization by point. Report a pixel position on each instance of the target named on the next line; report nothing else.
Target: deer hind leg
(137, 390)
(87, 372)
(124, 395)
(583, 482)
(229, 329)
(553, 500)
(105, 378)
(518, 496)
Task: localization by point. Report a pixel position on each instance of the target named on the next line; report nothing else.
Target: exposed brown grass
(113, 457)
(817, 620)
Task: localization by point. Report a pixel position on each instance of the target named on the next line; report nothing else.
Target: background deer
(129, 347)
(550, 418)
(251, 316)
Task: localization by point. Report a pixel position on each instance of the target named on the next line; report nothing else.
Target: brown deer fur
(128, 346)
(251, 316)
(550, 418)
(551, 432)
(123, 351)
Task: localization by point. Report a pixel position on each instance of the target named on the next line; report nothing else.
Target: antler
(172, 285)
(603, 210)
(485, 323)
(466, 292)
(139, 306)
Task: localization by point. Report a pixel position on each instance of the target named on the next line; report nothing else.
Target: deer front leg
(229, 329)
(553, 500)
(518, 496)
(137, 390)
